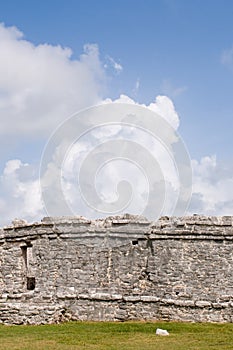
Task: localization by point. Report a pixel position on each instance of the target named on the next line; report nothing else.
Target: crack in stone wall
(118, 268)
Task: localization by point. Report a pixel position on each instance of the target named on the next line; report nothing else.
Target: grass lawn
(122, 336)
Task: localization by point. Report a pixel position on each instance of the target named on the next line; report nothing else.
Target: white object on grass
(160, 331)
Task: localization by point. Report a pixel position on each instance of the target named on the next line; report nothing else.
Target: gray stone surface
(118, 268)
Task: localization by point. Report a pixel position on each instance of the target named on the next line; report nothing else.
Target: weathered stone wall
(119, 268)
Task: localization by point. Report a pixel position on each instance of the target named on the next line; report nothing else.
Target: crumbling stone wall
(118, 268)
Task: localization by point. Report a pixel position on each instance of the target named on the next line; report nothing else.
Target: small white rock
(160, 331)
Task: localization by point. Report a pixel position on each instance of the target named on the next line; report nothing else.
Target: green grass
(122, 336)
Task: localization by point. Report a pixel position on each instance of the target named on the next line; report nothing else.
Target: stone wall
(118, 268)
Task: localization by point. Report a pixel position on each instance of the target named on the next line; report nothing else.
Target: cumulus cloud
(20, 192)
(18, 187)
(120, 161)
(212, 187)
(21, 197)
(212, 181)
(41, 85)
(162, 105)
(140, 157)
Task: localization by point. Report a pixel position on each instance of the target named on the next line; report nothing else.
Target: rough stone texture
(118, 268)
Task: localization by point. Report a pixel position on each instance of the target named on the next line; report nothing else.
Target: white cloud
(20, 192)
(106, 184)
(112, 63)
(212, 187)
(162, 105)
(136, 87)
(41, 85)
(21, 198)
(18, 188)
(118, 165)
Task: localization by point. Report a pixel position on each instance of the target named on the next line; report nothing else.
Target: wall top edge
(164, 222)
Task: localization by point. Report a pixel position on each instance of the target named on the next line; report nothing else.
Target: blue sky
(181, 49)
